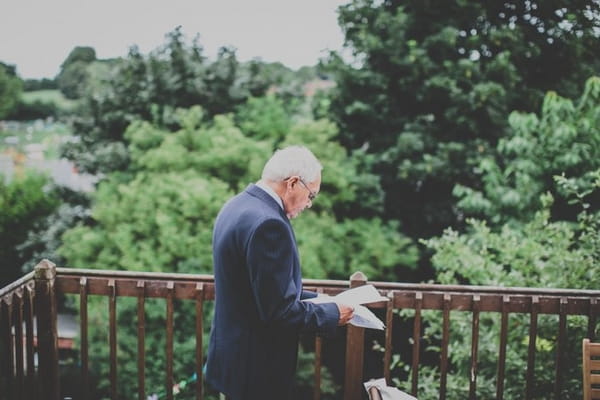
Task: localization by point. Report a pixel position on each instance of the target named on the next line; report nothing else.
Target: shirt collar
(270, 192)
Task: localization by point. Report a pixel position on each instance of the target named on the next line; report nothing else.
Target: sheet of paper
(360, 295)
(354, 297)
(387, 392)
(363, 317)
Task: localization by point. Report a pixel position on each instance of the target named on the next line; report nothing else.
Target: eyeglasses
(311, 194)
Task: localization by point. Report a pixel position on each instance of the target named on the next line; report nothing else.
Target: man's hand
(346, 314)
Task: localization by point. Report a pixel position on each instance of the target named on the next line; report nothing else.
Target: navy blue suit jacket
(253, 345)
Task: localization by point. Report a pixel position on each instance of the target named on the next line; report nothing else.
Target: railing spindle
(474, 347)
(416, 343)
(83, 331)
(112, 336)
(560, 349)
(445, 342)
(19, 343)
(141, 334)
(389, 321)
(592, 319)
(502, 349)
(169, 340)
(30, 356)
(535, 305)
(318, 344)
(317, 389)
(355, 343)
(199, 332)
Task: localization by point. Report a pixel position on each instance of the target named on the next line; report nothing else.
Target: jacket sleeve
(308, 294)
(270, 258)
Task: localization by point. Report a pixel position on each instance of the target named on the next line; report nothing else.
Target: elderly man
(258, 309)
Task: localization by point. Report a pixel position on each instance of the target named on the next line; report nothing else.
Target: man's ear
(292, 181)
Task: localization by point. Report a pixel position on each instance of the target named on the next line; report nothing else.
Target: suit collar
(256, 191)
(270, 192)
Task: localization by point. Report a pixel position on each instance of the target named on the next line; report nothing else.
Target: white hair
(292, 161)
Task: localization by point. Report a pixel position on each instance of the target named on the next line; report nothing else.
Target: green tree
(429, 87)
(39, 84)
(24, 202)
(527, 240)
(564, 139)
(83, 54)
(10, 89)
(44, 241)
(264, 117)
(150, 88)
(72, 80)
(218, 151)
(73, 77)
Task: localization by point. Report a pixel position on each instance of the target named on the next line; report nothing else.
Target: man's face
(299, 195)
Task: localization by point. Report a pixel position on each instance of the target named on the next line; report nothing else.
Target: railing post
(7, 345)
(47, 335)
(355, 341)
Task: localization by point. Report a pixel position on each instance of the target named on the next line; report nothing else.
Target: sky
(37, 35)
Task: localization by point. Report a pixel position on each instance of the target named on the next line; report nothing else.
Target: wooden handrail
(22, 281)
(334, 284)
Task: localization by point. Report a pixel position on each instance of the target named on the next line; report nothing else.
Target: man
(258, 309)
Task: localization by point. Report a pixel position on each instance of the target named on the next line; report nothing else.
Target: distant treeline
(30, 85)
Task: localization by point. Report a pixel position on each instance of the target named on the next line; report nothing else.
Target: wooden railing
(33, 298)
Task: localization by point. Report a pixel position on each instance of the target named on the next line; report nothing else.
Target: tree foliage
(564, 139)
(150, 87)
(44, 241)
(32, 110)
(264, 117)
(39, 84)
(181, 179)
(429, 87)
(83, 54)
(74, 76)
(24, 202)
(11, 88)
(529, 242)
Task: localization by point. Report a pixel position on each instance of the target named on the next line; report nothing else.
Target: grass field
(49, 96)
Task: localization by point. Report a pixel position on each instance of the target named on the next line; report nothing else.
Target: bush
(38, 109)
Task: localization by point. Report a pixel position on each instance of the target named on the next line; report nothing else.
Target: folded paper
(355, 297)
